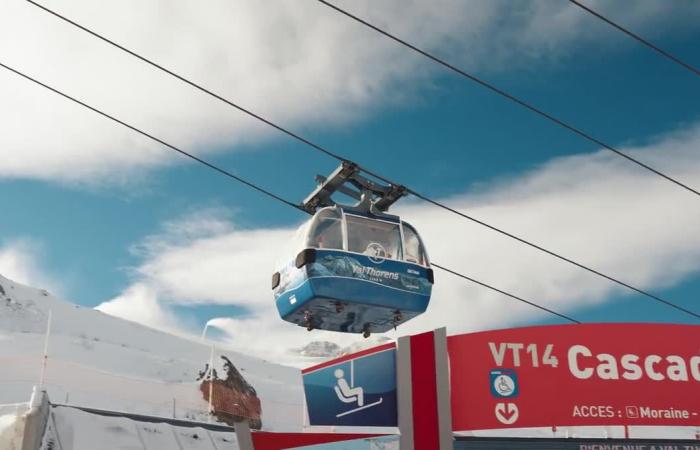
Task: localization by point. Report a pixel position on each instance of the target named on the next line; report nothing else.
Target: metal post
(404, 390)
(244, 436)
(442, 377)
(211, 381)
(304, 414)
(46, 351)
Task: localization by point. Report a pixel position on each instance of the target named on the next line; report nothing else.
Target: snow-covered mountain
(100, 361)
(325, 349)
(319, 349)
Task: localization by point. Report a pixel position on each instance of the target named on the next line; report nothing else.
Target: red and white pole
(425, 419)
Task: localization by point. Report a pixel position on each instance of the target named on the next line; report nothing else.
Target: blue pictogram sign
(504, 383)
(354, 392)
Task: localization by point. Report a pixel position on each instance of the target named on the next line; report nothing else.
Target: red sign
(576, 375)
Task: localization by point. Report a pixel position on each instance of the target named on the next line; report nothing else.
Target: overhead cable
(638, 38)
(510, 97)
(460, 275)
(368, 171)
(248, 183)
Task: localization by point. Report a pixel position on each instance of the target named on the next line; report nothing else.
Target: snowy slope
(104, 362)
(77, 430)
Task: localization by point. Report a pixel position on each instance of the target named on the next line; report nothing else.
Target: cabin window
(413, 247)
(374, 238)
(326, 230)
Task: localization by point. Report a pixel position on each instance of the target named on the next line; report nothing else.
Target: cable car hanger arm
(372, 196)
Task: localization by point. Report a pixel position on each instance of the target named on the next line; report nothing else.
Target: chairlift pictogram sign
(356, 390)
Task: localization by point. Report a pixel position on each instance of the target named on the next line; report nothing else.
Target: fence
(76, 384)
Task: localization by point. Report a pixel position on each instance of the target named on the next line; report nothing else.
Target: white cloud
(210, 261)
(139, 303)
(597, 209)
(299, 63)
(20, 261)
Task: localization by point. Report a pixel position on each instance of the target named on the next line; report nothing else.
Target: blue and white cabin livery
(354, 269)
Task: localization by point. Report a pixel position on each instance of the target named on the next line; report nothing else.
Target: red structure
(279, 441)
(544, 377)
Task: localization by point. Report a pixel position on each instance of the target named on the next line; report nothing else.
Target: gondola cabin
(354, 271)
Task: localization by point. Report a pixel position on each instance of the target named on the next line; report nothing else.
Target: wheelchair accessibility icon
(504, 383)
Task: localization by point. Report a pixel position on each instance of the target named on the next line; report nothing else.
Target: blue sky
(441, 134)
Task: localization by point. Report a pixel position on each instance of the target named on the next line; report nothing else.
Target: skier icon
(349, 393)
(345, 393)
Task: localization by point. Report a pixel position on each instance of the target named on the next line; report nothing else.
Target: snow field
(108, 363)
(78, 430)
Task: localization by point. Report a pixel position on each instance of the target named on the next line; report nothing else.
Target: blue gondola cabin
(353, 271)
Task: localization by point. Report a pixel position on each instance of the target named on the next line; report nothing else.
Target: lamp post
(211, 371)
(45, 357)
(204, 331)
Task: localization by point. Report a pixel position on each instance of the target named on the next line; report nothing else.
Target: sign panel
(576, 375)
(481, 443)
(355, 390)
